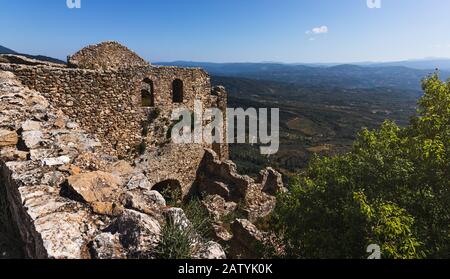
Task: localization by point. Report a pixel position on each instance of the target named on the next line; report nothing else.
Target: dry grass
(304, 125)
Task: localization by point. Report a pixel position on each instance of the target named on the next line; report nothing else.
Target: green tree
(392, 189)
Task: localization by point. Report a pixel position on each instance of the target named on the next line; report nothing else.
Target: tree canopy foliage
(392, 190)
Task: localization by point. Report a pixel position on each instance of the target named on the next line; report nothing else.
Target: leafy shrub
(175, 242)
(392, 189)
(172, 196)
(194, 210)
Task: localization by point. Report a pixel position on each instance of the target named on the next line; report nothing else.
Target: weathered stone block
(8, 138)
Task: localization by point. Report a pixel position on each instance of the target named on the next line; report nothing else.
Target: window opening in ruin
(147, 93)
(177, 91)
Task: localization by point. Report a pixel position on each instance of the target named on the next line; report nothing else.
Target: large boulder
(103, 191)
(30, 125)
(122, 169)
(246, 238)
(32, 139)
(139, 181)
(138, 233)
(58, 161)
(146, 201)
(12, 154)
(272, 181)
(107, 246)
(177, 217)
(210, 251)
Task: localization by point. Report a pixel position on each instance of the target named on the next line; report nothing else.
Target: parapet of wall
(19, 59)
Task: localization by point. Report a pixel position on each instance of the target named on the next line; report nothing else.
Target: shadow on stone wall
(10, 244)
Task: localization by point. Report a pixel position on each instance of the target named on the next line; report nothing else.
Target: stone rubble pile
(240, 200)
(104, 56)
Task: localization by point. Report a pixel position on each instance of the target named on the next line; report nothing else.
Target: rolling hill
(342, 76)
(422, 64)
(314, 119)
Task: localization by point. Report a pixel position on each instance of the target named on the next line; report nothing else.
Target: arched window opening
(177, 91)
(147, 93)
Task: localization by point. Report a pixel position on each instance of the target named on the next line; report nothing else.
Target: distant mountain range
(421, 64)
(342, 76)
(402, 74)
(5, 50)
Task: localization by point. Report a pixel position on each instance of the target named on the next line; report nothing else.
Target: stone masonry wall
(103, 103)
(196, 86)
(108, 103)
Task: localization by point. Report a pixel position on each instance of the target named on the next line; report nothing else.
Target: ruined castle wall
(67, 199)
(196, 86)
(220, 101)
(108, 103)
(102, 102)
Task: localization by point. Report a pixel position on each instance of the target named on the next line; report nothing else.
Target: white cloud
(316, 31)
(320, 30)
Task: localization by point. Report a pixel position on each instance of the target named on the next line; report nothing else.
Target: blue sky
(233, 30)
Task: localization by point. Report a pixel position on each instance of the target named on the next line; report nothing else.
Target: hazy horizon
(232, 31)
(261, 62)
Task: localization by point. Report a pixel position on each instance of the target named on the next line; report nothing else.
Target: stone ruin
(85, 158)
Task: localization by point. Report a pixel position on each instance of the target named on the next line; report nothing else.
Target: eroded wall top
(106, 56)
